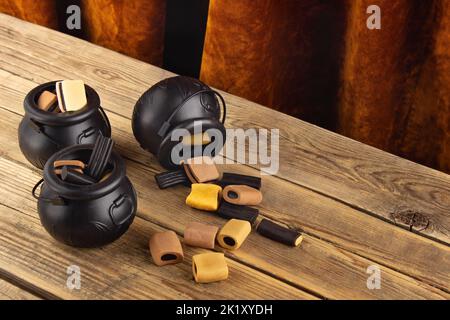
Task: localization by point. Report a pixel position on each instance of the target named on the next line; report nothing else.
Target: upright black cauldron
(42, 133)
(86, 215)
(174, 103)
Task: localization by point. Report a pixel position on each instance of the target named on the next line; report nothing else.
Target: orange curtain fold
(42, 12)
(394, 80)
(426, 136)
(280, 53)
(313, 59)
(135, 28)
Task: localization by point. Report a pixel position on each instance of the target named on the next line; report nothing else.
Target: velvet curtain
(313, 59)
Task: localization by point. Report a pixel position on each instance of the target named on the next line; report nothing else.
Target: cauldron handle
(105, 117)
(56, 201)
(224, 105)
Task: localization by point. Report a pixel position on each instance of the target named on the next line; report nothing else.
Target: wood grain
(122, 270)
(18, 78)
(346, 272)
(9, 291)
(375, 182)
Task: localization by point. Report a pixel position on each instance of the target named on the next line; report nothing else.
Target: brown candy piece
(75, 165)
(242, 195)
(201, 169)
(46, 100)
(200, 235)
(70, 163)
(165, 248)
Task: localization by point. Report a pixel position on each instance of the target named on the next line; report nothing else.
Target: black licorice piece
(237, 179)
(72, 176)
(279, 233)
(231, 211)
(100, 156)
(94, 154)
(171, 178)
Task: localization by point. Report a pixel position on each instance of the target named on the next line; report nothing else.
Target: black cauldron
(86, 215)
(177, 103)
(42, 133)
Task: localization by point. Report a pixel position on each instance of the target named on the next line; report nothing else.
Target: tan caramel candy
(242, 195)
(165, 248)
(200, 235)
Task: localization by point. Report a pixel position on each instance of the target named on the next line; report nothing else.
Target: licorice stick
(100, 156)
(279, 233)
(238, 179)
(242, 195)
(104, 158)
(171, 178)
(77, 169)
(232, 211)
(74, 176)
(94, 152)
(96, 161)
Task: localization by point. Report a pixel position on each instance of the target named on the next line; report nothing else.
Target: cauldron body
(43, 133)
(178, 102)
(86, 215)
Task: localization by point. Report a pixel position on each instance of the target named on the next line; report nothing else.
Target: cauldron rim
(50, 118)
(83, 192)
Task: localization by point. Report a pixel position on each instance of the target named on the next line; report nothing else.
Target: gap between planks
(386, 217)
(52, 294)
(312, 234)
(25, 164)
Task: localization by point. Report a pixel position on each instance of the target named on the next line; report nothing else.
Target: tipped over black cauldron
(177, 103)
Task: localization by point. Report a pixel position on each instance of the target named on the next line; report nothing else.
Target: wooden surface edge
(9, 291)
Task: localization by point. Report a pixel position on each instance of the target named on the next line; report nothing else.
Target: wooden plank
(304, 267)
(122, 270)
(320, 216)
(9, 291)
(380, 184)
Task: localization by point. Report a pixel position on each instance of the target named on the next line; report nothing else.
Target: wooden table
(357, 205)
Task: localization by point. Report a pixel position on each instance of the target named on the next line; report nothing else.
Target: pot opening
(53, 115)
(112, 175)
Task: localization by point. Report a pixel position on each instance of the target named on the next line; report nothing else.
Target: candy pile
(231, 197)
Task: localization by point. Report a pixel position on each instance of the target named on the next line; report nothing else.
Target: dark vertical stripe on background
(185, 31)
(61, 7)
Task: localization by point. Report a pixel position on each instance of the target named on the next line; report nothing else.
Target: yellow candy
(233, 234)
(209, 267)
(204, 196)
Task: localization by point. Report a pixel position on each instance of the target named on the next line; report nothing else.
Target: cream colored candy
(71, 95)
(233, 234)
(209, 267)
